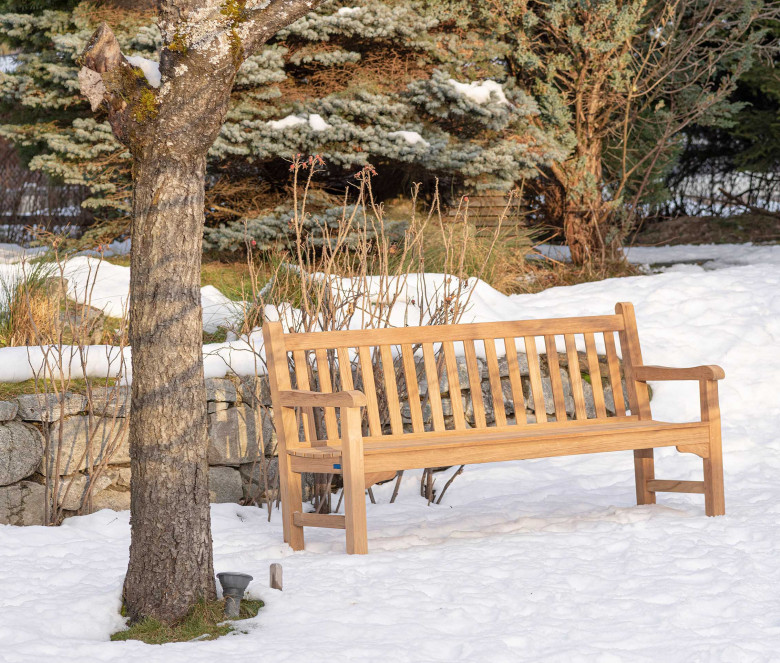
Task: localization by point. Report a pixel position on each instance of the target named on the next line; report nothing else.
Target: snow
(712, 256)
(348, 11)
(150, 68)
(8, 64)
(285, 122)
(541, 560)
(411, 137)
(480, 93)
(317, 123)
(315, 120)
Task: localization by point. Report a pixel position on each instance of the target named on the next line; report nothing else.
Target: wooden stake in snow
(276, 576)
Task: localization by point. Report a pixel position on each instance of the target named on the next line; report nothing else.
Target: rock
(116, 500)
(234, 435)
(609, 398)
(212, 407)
(503, 365)
(252, 479)
(444, 385)
(21, 451)
(220, 390)
(111, 401)
(124, 477)
(108, 440)
(225, 485)
(71, 490)
(8, 410)
(256, 390)
(23, 503)
(47, 407)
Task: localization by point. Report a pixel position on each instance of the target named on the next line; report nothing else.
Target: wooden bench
(369, 441)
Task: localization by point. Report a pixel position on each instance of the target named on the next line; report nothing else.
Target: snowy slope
(544, 560)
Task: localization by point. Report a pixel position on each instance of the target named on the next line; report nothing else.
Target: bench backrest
(400, 367)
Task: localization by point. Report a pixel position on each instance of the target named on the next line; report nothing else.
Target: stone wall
(28, 423)
(242, 440)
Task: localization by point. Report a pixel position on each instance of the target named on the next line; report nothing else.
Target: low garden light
(233, 587)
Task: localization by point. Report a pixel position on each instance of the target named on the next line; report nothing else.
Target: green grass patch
(230, 278)
(206, 621)
(10, 390)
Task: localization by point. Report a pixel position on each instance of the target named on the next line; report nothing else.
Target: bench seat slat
(508, 443)
(628, 425)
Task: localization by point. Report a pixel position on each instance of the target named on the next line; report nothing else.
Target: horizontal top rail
(460, 332)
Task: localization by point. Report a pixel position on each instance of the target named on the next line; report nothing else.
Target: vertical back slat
(326, 387)
(575, 378)
(515, 381)
(632, 356)
(595, 375)
(555, 377)
(475, 383)
(454, 385)
(614, 374)
(494, 375)
(535, 375)
(302, 378)
(345, 368)
(391, 390)
(369, 389)
(432, 377)
(412, 389)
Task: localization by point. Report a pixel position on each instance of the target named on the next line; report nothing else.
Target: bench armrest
(303, 398)
(710, 372)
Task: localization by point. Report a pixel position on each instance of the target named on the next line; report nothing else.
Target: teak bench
(368, 442)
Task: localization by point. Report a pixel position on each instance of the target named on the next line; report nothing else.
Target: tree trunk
(170, 566)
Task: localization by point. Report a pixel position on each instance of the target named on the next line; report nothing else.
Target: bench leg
(644, 471)
(354, 482)
(292, 501)
(714, 499)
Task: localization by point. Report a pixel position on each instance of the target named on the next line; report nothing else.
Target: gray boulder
(105, 440)
(225, 485)
(49, 407)
(116, 500)
(8, 410)
(111, 401)
(21, 451)
(234, 435)
(23, 503)
(71, 490)
(220, 390)
(256, 390)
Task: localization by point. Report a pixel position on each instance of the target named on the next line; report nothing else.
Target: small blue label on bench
(336, 466)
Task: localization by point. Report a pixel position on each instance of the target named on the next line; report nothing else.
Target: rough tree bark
(168, 130)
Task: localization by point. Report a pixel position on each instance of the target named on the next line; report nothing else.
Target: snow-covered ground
(543, 560)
